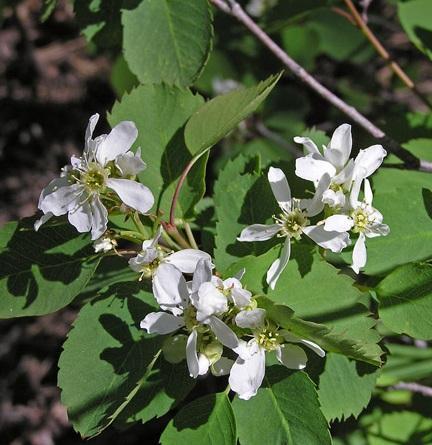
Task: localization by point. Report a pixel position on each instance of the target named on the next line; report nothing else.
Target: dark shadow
(203, 409)
(427, 201)
(27, 252)
(425, 35)
(302, 254)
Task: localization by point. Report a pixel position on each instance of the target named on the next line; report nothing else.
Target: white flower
(151, 262)
(335, 161)
(205, 340)
(103, 173)
(361, 218)
(247, 373)
(104, 244)
(293, 222)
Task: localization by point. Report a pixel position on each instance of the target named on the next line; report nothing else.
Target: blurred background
(52, 79)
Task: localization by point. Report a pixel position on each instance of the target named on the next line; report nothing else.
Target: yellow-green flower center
(269, 339)
(292, 223)
(94, 177)
(361, 220)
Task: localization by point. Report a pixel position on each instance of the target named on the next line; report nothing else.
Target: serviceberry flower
(293, 222)
(103, 177)
(362, 219)
(335, 162)
(247, 373)
(151, 263)
(205, 340)
(104, 244)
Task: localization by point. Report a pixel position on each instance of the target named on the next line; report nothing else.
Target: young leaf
(354, 384)
(167, 41)
(284, 412)
(406, 300)
(219, 116)
(105, 357)
(159, 113)
(207, 420)
(42, 271)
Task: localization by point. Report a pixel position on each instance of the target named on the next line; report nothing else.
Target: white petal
(308, 144)
(339, 149)
(130, 164)
(280, 188)
(246, 376)
(359, 255)
(334, 199)
(117, 142)
(279, 265)
(241, 297)
(202, 274)
(186, 260)
(132, 193)
(99, 218)
(259, 232)
(368, 160)
(54, 185)
(81, 217)
(345, 175)
(355, 191)
(90, 129)
(368, 195)
(250, 318)
(210, 301)
(222, 367)
(338, 223)
(328, 240)
(313, 167)
(316, 205)
(191, 354)
(378, 230)
(161, 323)
(42, 220)
(203, 364)
(289, 336)
(62, 200)
(292, 356)
(169, 288)
(223, 333)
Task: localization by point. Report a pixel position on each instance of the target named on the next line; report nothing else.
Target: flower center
(94, 177)
(292, 223)
(269, 339)
(148, 269)
(189, 316)
(361, 220)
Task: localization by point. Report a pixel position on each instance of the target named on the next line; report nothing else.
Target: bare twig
(395, 67)
(408, 158)
(413, 387)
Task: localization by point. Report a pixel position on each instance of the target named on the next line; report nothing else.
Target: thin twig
(413, 387)
(395, 67)
(263, 131)
(408, 158)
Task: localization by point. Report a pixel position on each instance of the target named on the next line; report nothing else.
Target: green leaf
(167, 40)
(207, 420)
(317, 292)
(406, 300)
(415, 19)
(164, 387)
(159, 113)
(44, 271)
(328, 338)
(105, 357)
(398, 428)
(354, 385)
(122, 79)
(236, 206)
(285, 411)
(219, 116)
(48, 9)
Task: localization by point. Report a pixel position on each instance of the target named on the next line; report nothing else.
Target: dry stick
(395, 67)
(414, 387)
(408, 158)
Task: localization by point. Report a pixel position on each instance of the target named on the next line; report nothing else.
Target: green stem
(138, 223)
(190, 236)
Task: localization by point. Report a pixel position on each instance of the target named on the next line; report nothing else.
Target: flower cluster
(207, 316)
(104, 177)
(337, 180)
